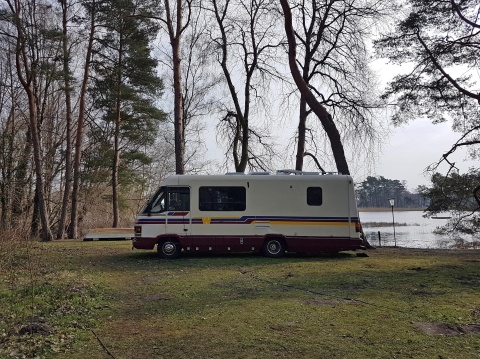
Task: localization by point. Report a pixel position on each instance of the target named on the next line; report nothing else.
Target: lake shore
(396, 209)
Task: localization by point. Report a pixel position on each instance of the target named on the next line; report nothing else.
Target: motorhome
(269, 213)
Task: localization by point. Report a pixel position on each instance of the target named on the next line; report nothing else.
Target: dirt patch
(447, 329)
(476, 314)
(35, 325)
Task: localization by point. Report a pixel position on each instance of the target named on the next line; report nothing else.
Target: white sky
(413, 147)
(405, 155)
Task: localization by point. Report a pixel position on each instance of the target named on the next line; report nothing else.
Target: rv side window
(222, 198)
(178, 199)
(314, 196)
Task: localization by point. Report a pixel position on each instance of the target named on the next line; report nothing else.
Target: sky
(405, 154)
(413, 147)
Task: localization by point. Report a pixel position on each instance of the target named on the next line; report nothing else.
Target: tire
(169, 249)
(273, 248)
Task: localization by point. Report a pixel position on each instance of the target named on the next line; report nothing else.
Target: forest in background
(101, 99)
(375, 192)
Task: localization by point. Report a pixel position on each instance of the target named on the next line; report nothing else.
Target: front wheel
(274, 248)
(169, 249)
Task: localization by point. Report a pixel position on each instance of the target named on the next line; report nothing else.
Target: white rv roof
(265, 176)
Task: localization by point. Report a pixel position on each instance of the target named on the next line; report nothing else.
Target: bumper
(144, 243)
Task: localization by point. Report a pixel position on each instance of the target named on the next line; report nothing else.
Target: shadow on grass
(223, 259)
(123, 259)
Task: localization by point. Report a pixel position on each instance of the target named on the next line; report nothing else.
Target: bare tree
(27, 64)
(73, 227)
(319, 110)
(14, 159)
(199, 87)
(68, 135)
(245, 40)
(176, 20)
(332, 54)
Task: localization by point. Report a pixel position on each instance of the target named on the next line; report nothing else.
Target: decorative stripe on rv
(278, 220)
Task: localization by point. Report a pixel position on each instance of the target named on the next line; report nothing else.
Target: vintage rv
(268, 213)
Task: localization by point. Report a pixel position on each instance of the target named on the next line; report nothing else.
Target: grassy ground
(73, 299)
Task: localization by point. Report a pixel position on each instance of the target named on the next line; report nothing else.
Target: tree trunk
(178, 108)
(322, 114)
(68, 103)
(115, 164)
(116, 146)
(242, 166)
(302, 125)
(25, 73)
(179, 122)
(73, 228)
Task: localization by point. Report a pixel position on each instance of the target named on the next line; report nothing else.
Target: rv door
(178, 210)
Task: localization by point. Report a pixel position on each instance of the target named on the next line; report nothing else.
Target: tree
(91, 9)
(176, 22)
(199, 87)
(244, 41)
(15, 146)
(459, 195)
(375, 192)
(28, 66)
(69, 120)
(325, 118)
(125, 86)
(439, 40)
(333, 58)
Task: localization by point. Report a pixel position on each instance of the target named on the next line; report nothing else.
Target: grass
(103, 300)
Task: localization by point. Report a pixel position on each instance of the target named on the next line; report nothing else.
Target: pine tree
(126, 88)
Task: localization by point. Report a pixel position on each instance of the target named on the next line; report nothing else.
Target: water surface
(411, 230)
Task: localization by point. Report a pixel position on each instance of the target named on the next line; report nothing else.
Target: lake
(411, 229)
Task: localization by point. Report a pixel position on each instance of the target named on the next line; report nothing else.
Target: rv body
(270, 213)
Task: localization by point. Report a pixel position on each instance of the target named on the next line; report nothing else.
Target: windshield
(157, 203)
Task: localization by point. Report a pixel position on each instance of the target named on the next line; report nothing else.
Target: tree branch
(443, 72)
(316, 161)
(459, 13)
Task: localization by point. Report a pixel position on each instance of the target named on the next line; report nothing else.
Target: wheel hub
(273, 247)
(168, 248)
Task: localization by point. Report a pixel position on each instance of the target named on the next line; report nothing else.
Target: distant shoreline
(380, 209)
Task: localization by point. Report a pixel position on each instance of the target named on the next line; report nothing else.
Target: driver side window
(159, 204)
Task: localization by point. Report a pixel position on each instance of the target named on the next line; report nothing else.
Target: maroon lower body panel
(144, 243)
(238, 244)
(322, 244)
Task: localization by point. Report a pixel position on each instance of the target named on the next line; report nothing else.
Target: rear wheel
(169, 249)
(273, 247)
